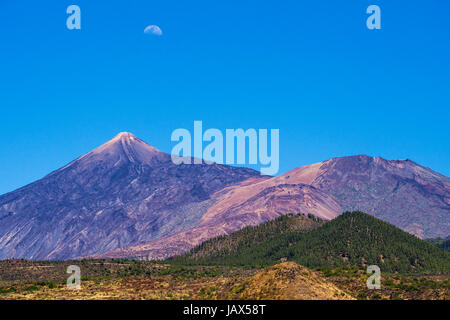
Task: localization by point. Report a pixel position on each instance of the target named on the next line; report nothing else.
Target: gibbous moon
(153, 29)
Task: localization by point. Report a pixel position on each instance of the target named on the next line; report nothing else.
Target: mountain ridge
(121, 193)
(126, 198)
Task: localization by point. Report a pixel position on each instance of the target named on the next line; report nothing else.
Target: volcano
(120, 194)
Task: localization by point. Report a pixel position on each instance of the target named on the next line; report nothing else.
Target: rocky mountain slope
(352, 239)
(289, 281)
(266, 205)
(123, 193)
(401, 192)
(127, 199)
(144, 280)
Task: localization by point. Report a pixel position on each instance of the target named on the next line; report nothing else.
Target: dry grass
(136, 280)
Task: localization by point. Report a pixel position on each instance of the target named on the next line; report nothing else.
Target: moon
(153, 29)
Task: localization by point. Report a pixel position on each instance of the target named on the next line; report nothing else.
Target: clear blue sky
(310, 68)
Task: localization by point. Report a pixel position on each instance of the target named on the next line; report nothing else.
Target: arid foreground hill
(289, 281)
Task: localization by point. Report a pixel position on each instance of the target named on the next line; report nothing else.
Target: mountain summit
(123, 148)
(120, 194)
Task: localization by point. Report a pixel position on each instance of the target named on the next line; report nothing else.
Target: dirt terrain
(136, 280)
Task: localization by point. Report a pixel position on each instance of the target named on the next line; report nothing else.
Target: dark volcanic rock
(120, 194)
